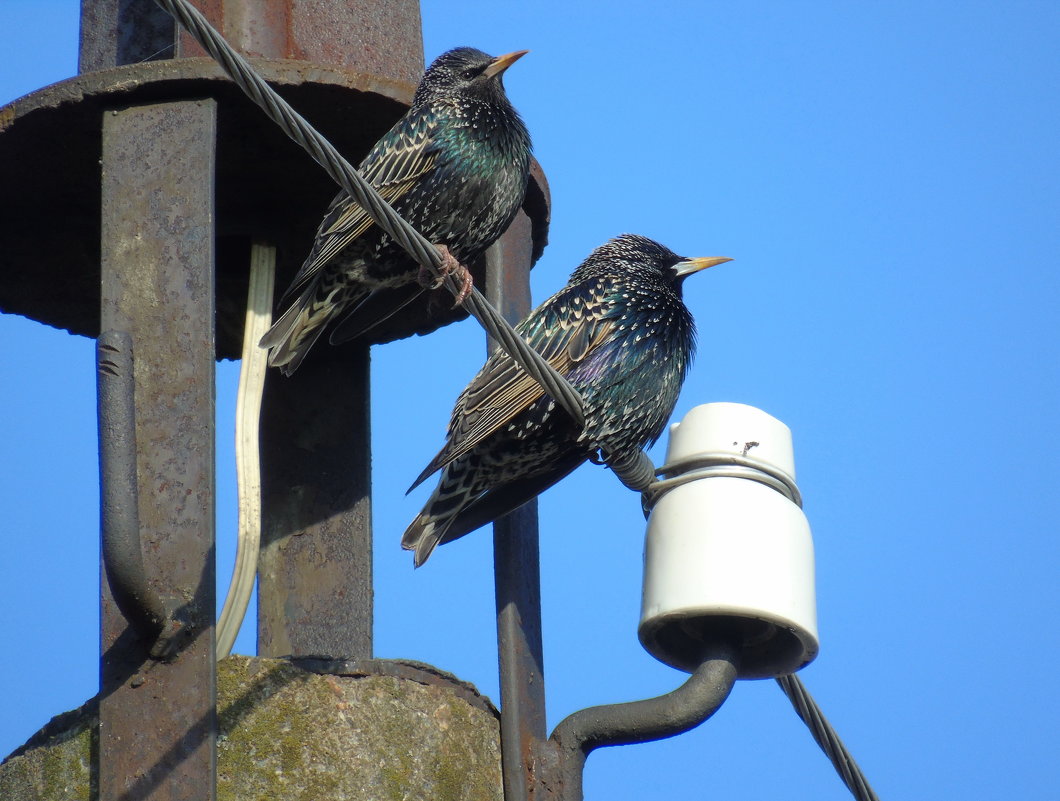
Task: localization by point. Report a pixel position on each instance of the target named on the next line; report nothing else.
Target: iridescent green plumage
(621, 334)
(455, 167)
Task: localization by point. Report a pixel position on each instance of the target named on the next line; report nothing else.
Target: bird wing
(507, 497)
(565, 330)
(396, 164)
(375, 309)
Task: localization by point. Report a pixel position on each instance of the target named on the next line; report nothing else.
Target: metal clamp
(721, 464)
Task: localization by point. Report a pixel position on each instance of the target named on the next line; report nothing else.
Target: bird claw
(450, 266)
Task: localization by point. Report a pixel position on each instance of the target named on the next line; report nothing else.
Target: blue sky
(886, 180)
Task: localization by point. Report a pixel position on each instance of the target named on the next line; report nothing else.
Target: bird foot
(450, 266)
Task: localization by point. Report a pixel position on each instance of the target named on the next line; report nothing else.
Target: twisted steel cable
(807, 709)
(634, 469)
(343, 173)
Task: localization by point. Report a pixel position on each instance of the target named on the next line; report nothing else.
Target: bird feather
(396, 164)
(502, 390)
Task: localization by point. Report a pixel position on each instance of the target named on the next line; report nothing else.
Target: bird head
(465, 71)
(640, 253)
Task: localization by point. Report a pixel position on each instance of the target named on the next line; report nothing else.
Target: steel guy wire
(325, 154)
(826, 737)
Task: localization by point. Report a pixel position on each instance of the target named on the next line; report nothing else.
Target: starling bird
(455, 167)
(620, 333)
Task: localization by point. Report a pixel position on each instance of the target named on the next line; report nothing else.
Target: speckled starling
(621, 334)
(455, 167)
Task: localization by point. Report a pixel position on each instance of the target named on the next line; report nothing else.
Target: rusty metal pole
(381, 38)
(157, 718)
(116, 32)
(516, 560)
(315, 595)
(315, 567)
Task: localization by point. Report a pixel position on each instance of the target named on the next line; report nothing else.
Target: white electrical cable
(248, 460)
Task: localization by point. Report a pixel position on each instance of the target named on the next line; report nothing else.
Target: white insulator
(728, 552)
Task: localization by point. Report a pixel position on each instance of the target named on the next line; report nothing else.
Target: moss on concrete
(287, 733)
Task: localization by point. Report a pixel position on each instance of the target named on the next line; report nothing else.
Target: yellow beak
(689, 266)
(501, 63)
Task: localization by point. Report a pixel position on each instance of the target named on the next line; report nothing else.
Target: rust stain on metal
(157, 719)
(50, 153)
(315, 591)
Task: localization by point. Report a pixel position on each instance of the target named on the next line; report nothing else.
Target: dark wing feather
(564, 330)
(378, 307)
(398, 162)
(508, 497)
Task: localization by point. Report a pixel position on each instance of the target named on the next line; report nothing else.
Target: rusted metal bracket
(561, 760)
(159, 618)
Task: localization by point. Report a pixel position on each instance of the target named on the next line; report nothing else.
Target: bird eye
(471, 72)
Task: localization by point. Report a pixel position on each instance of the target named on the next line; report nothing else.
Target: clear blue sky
(887, 180)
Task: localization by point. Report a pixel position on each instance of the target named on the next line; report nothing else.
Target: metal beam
(157, 718)
(315, 566)
(516, 557)
(381, 37)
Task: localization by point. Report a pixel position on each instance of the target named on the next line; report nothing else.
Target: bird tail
(296, 331)
(423, 536)
(432, 524)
